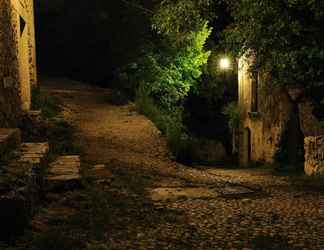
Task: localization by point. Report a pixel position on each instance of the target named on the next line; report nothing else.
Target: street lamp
(225, 63)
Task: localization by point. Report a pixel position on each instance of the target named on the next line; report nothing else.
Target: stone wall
(17, 59)
(267, 124)
(314, 155)
(279, 110)
(308, 122)
(9, 69)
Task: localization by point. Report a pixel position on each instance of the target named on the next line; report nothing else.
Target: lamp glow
(225, 63)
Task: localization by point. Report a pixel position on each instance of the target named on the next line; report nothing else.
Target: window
(254, 92)
(22, 25)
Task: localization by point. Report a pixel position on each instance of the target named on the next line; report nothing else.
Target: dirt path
(153, 202)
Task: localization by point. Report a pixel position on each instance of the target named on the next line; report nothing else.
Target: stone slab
(39, 148)
(34, 154)
(64, 173)
(166, 194)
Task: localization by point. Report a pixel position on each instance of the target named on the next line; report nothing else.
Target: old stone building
(274, 120)
(17, 59)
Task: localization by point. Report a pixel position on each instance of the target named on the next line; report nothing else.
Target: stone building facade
(17, 59)
(271, 118)
(314, 155)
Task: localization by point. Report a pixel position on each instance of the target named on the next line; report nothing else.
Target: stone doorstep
(41, 148)
(33, 153)
(70, 157)
(54, 172)
(35, 160)
(64, 177)
(64, 163)
(63, 171)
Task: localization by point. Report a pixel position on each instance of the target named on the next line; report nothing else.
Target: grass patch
(170, 124)
(61, 138)
(185, 148)
(50, 105)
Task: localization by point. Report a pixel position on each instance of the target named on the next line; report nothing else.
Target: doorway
(247, 147)
(295, 141)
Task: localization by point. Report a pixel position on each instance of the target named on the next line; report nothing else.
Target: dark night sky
(88, 39)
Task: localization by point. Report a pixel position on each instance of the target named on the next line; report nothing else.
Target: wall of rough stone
(314, 155)
(32, 43)
(275, 107)
(17, 59)
(268, 123)
(9, 69)
(308, 122)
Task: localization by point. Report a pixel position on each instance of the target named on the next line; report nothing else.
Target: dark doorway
(295, 140)
(291, 152)
(247, 147)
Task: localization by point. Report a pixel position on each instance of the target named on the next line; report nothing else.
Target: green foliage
(176, 18)
(49, 105)
(169, 123)
(285, 35)
(168, 72)
(232, 112)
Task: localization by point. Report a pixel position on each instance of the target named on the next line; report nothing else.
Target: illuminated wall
(264, 111)
(17, 59)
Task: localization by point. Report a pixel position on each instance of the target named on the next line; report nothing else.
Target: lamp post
(225, 63)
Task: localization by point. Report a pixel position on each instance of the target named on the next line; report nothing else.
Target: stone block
(64, 174)
(314, 155)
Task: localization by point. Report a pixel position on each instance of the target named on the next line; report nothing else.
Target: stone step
(21, 188)
(33, 156)
(10, 139)
(64, 173)
(27, 170)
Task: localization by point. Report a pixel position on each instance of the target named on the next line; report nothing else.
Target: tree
(286, 36)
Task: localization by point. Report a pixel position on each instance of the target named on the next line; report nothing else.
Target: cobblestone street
(145, 200)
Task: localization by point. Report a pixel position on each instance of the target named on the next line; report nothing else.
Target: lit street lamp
(225, 63)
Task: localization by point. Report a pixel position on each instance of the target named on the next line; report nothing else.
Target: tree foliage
(169, 72)
(286, 36)
(178, 17)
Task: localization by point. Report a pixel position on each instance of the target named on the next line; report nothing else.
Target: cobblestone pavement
(277, 215)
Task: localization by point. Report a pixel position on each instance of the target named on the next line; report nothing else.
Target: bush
(170, 124)
(49, 105)
(232, 112)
